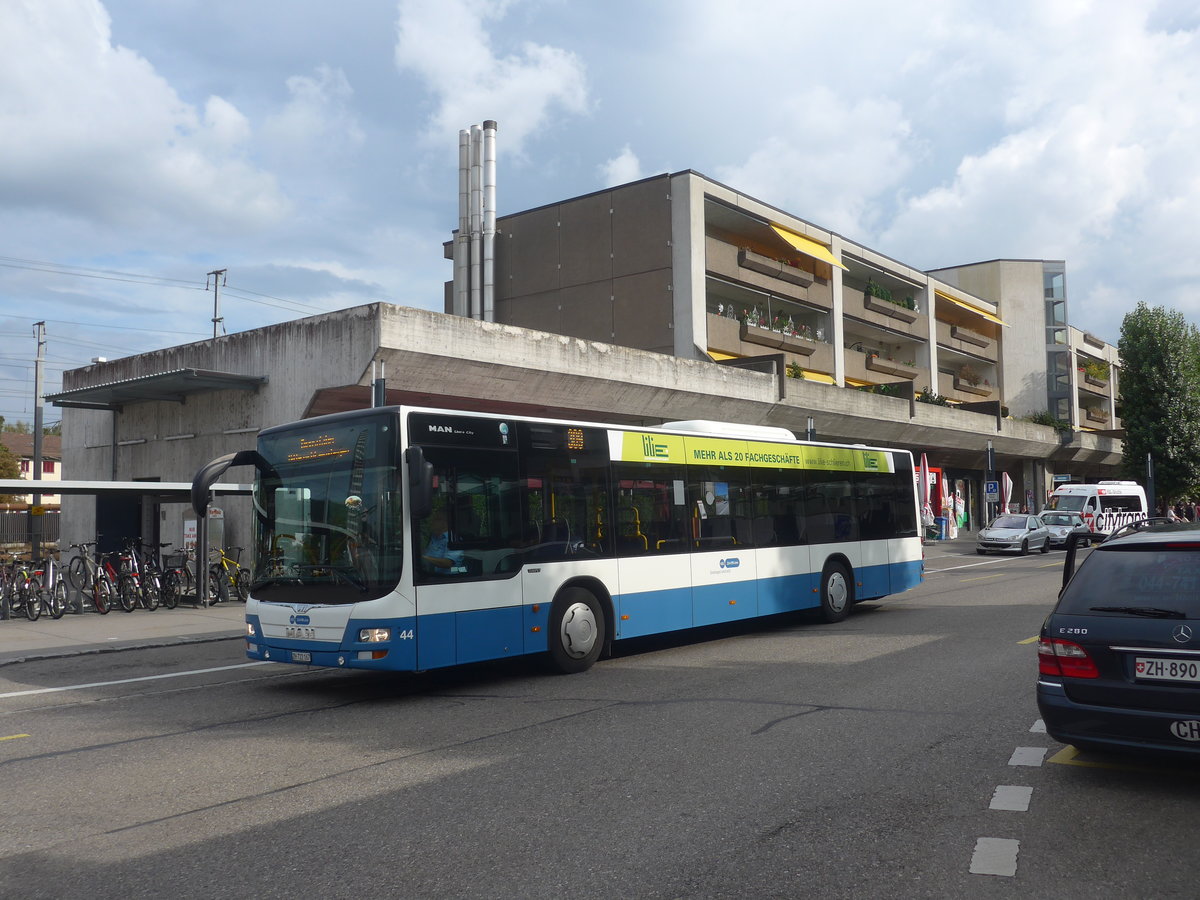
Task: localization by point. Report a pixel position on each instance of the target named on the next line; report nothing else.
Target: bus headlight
(250, 629)
(374, 635)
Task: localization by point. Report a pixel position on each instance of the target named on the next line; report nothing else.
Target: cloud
(318, 116)
(106, 138)
(828, 157)
(622, 168)
(445, 43)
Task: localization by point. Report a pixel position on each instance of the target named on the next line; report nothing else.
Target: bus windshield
(327, 518)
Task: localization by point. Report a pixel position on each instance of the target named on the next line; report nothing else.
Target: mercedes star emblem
(1182, 633)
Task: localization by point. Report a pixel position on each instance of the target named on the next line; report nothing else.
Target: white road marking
(1027, 756)
(1012, 797)
(995, 856)
(1039, 727)
(95, 684)
(986, 562)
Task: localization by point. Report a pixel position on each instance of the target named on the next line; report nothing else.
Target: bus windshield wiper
(1150, 612)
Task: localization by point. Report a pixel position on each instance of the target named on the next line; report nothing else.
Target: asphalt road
(783, 759)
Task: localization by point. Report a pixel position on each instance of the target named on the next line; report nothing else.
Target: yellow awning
(808, 246)
(718, 355)
(974, 309)
(854, 382)
(819, 377)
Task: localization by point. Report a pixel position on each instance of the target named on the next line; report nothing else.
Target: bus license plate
(1146, 667)
(301, 656)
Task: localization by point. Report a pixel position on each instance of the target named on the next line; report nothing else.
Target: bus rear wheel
(576, 631)
(837, 593)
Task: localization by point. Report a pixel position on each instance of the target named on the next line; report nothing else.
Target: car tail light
(1066, 658)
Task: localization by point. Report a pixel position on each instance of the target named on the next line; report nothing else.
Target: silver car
(1014, 532)
(1061, 524)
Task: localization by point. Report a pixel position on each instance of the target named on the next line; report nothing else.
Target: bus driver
(438, 555)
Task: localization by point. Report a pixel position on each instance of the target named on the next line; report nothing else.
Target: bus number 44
(405, 635)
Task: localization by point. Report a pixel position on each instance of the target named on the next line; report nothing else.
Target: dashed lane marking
(13, 737)
(1011, 797)
(1038, 727)
(1032, 640)
(983, 577)
(1028, 756)
(995, 856)
(95, 684)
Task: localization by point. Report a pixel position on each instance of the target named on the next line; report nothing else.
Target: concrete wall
(597, 267)
(1016, 287)
(298, 357)
(437, 354)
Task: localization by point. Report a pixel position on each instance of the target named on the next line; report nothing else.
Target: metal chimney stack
(474, 246)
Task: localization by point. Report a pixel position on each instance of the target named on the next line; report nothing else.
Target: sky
(310, 149)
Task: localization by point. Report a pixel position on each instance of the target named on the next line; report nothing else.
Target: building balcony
(891, 367)
(743, 266)
(730, 337)
(954, 388)
(966, 341)
(776, 268)
(1096, 416)
(778, 340)
(884, 314)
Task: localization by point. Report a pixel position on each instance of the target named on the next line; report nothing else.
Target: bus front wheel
(837, 593)
(576, 632)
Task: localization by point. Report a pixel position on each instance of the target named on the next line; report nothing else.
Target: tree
(1160, 398)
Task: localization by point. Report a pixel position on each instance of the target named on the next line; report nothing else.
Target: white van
(1105, 506)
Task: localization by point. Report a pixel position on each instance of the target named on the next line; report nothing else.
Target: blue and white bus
(408, 539)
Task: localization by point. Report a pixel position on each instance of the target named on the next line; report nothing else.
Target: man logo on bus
(653, 450)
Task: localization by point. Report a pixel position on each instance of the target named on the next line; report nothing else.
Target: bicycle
(88, 576)
(228, 572)
(134, 583)
(128, 597)
(51, 593)
(153, 573)
(23, 585)
(180, 574)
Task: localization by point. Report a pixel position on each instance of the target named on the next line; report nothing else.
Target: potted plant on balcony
(1096, 372)
(970, 381)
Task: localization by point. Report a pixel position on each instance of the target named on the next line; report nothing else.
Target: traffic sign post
(991, 491)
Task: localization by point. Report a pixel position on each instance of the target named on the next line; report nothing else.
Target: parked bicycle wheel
(148, 593)
(31, 595)
(102, 595)
(242, 583)
(127, 592)
(169, 593)
(56, 599)
(77, 574)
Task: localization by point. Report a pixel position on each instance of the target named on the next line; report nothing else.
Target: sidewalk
(88, 632)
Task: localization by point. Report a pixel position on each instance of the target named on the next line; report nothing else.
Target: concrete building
(683, 265)
(674, 297)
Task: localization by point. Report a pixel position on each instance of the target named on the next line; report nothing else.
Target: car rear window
(1059, 519)
(1133, 576)
(1009, 522)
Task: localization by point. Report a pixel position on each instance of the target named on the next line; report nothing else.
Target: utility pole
(218, 279)
(35, 517)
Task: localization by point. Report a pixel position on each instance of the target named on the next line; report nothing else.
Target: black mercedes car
(1119, 656)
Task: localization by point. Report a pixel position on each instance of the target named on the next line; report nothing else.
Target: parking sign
(991, 491)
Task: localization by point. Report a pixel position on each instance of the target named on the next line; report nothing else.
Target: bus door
(652, 535)
(468, 603)
(833, 525)
(724, 569)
